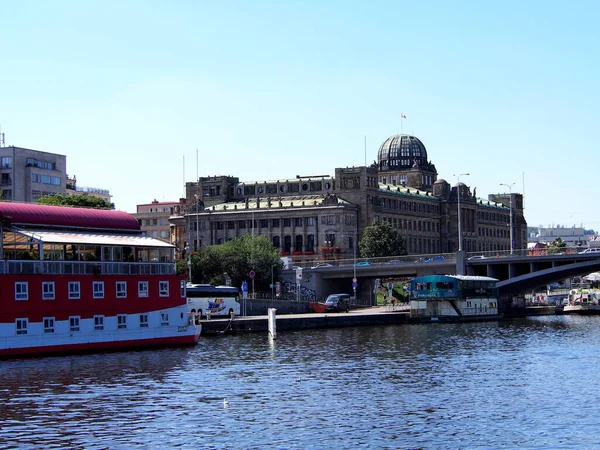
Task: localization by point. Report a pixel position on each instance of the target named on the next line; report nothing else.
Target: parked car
(363, 264)
(430, 259)
(394, 261)
(591, 250)
(338, 302)
(476, 257)
(322, 265)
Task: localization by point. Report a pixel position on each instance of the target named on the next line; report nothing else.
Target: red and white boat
(78, 279)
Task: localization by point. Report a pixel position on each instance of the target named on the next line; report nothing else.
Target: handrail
(85, 268)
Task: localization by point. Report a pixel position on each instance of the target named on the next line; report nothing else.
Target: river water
(530, 383)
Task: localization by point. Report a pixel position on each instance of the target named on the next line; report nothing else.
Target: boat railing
(86, 268)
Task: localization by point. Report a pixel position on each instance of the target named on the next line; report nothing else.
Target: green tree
(557, 246)
(380, 240)
(237, 258)
(86, 201)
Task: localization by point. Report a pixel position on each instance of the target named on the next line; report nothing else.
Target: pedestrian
(384, 299)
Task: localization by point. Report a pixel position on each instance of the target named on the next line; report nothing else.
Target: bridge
(518, 272)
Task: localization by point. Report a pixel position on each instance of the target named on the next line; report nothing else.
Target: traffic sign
(354, 280)
(354, 285)
(244, 286)
(252, 274)
(298, 273)
(390, 285)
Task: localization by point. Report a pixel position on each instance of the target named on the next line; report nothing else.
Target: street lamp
(509, 186)
(197, 225)
(272, 282)
(459, 211)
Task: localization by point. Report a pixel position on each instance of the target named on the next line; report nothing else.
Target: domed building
(402, 161)
(307, 216)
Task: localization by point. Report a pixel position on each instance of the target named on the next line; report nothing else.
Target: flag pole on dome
(402, 116)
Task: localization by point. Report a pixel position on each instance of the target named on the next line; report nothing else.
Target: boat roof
(64, 216)
(82, 238)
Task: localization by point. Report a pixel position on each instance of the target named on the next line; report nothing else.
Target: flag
(402, 116)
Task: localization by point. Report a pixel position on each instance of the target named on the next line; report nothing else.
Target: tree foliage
(557, 246)
(380, 240)
(86, 201)
(237, 258)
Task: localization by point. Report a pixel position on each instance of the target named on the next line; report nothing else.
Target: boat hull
(454, 319)
(173, 341)
(582, 309)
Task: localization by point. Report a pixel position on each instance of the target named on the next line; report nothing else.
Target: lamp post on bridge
(509, 186)
(272, 282)
(459, 211)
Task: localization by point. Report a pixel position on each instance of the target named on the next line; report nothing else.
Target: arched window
(310, 243)
(287, 243)
(298, 244)
(276, 242)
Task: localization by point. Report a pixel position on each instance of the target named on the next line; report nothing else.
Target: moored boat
(78, 279)
(453, 298)
(583, 301)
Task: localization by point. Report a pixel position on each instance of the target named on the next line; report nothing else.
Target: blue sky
(265, 90)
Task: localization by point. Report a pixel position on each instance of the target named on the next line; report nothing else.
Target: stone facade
(324, 215)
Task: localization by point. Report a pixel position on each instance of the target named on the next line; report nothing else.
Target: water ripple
(525, 383)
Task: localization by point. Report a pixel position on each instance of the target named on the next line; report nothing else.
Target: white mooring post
(272, 323)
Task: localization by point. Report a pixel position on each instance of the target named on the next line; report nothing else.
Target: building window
(143, 320)
(98, 323)
(287, 222)
(21, 325)
(21, 290)
(298, 221)
(6, 179)
(48, 290)
(164, 319)
(121, 289)
(6, 162)
(48, 324)
(121, 321)
(74, 290)
(98, 289)
(163, 288)
(275, 223)
(74, 323)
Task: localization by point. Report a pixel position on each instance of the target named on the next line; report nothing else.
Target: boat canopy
(22, 236)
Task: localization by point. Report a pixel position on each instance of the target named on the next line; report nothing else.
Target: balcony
(17, 267)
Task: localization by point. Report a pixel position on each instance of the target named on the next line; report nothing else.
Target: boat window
(21, 325)
(21, 290)
(74, 290)
(163, 288)
(142, 289)
(98, 289)
(121, 289)
(48, 290)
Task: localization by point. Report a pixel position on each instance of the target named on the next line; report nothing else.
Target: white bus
(217, 301)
